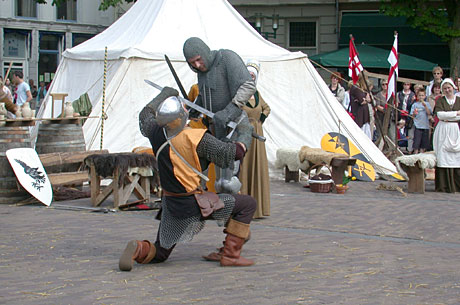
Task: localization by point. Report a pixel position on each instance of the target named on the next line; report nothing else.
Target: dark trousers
(421, 139)
(243, 211)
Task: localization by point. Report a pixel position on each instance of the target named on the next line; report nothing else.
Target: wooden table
(339, 165)
(122, 185)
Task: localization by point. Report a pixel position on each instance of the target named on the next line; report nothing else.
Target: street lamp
(275, 24)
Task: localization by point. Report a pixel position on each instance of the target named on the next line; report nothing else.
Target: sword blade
(178, 82)
(205, 111)
(185, 101)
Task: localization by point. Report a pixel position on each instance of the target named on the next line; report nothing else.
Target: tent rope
(109, 103)
(103, 116)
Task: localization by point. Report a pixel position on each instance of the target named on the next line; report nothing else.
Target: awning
(378, 30)
(371, 57)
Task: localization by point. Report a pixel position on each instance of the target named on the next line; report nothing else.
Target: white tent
(302, 107)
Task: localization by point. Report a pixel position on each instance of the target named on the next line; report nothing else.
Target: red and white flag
(393, 60)
(354, 65)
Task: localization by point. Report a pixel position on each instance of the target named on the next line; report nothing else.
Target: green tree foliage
(105, 4)
(441, 18)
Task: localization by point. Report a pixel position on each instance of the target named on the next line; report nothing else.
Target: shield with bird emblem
(30, 173)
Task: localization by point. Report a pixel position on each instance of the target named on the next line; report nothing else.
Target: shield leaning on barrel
(30, 173)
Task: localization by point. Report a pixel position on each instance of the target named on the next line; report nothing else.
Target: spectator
(380, 105)
(437, 78)
(435, 95)
(346, 99)
(404, 101)
(336, 88)
(254, 175)
(359, 100)
(402, 136)
(446, 140)
(457, 83)
(7, 98)
(41, 93)
(421, 110)
(22, 89)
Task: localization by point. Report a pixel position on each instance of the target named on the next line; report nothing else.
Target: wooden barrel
(11, 137)
(54, 138)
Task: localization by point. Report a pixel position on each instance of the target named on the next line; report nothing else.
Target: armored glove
(230, 113)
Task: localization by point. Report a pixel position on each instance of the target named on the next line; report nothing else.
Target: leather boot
(237, 233)
(140, 251)
(215, 256)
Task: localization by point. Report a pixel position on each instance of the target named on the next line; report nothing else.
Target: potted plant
(341, 188)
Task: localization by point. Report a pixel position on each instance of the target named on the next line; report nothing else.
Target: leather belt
(166, 193)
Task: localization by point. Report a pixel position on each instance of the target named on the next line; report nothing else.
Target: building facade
(33, 36)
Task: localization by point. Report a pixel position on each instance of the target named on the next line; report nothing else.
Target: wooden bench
(62, 159)
(337, 162)
(288, 159)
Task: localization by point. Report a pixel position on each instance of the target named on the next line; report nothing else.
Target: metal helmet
(172, 115)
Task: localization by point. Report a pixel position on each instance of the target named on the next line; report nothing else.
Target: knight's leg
(243, 211)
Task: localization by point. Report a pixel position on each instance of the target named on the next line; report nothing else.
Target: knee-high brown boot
(215, 256)
(140, 251)
(237, 233)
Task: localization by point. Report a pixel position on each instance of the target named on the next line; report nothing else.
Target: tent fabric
(145, 32)
(372, 57)
(303, 108)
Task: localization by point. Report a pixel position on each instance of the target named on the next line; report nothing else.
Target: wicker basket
(320, 186)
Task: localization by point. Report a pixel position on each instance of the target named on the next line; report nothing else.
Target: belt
(166, 193)
(449, 121)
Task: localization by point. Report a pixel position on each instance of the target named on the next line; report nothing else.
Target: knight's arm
(220, 153)
(244, 93)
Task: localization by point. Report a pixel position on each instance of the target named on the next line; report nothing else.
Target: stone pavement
(368, 246)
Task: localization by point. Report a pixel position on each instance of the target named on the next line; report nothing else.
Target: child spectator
(402, 135)
(421, 110)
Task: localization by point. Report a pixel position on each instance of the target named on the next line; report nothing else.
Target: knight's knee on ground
(140, 251)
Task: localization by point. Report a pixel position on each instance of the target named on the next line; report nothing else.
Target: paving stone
(368, 246)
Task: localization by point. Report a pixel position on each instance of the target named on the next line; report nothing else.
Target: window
(79, 38)
(67, 10)
(302, 34)
(14, 44)
(26, 8)
(50, 46)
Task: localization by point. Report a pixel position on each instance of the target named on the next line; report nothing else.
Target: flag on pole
(354, 65)
(393, 60)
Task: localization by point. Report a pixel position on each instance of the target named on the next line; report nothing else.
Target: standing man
(182, 155)
(224, 82)
(22, 89)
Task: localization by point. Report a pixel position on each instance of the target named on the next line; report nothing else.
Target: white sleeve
(448, 115)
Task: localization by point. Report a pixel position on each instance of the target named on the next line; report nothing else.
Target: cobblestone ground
(368, 246)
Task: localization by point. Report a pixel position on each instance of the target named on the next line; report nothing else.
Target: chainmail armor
(226, 74)
(220, 153)
(174, 230)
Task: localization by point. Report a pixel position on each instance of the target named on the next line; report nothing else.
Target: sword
(208, 113)
(189, 103)
(181, 88)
